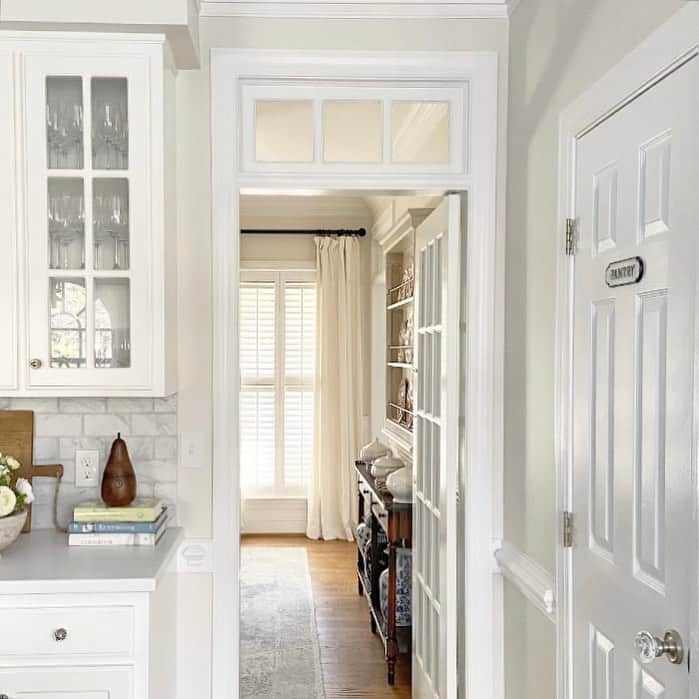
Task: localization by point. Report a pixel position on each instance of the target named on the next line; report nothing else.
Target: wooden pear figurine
(119, 479)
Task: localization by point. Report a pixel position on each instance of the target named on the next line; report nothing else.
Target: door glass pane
(352, 131)
(110, 215)
(64, 122)
(67, 340)
(284, 131)
(420, 132)
(66, 223)
(112, 324)
(110, 124)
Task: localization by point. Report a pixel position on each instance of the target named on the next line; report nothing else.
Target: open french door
(438, 290)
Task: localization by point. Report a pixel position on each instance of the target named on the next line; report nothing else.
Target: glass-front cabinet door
(88, 229)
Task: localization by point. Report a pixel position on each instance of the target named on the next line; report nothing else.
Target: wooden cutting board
(17, 439)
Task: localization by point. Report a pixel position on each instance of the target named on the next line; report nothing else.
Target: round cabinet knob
(60, 634)
(34, 364)
(650, 647)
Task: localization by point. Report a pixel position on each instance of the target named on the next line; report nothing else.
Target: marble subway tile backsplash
(62, 425)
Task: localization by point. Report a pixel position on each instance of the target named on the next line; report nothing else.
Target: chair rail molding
(360, 9)
(530, 578)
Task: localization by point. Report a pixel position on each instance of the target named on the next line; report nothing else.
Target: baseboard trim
(274, 516)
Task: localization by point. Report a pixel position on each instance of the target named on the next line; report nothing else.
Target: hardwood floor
(352, 658)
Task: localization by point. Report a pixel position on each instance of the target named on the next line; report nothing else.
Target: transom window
(277, 364)
(373, 128)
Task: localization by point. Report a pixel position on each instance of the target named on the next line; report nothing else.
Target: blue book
(119, 527)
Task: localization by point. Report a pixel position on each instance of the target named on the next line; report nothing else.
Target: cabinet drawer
(67, 683)
(67, 632)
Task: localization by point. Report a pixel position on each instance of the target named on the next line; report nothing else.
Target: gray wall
(558, 48)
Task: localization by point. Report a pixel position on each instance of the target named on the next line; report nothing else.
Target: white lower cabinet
(67, 683)
(89, 646)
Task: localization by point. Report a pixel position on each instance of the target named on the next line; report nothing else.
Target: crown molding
(358, 9)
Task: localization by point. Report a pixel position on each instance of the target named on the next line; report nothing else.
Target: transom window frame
(456, 96)
(279, 383)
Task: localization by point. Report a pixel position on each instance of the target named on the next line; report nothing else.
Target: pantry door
(637, 179)
(438, 290)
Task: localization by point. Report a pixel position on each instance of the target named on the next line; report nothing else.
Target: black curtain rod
(360, 232)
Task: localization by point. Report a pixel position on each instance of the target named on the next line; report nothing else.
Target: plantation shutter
(299, 368)
(277, 363)
(257, 396)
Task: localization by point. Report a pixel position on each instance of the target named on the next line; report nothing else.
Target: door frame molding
(484, 281)
(669, 47)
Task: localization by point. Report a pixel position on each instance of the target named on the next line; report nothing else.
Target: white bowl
(400, 485)
(10, 528)
(372, 451)
(385, 465)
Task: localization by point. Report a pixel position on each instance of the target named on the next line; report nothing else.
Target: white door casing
(632, 377)
(484, 275)
(438, 291)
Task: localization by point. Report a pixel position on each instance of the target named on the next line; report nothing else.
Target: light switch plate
(191, 451)
(87, 468)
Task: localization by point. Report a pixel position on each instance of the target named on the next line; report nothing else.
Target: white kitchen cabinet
(68, 683)
(93, 186)
(8, 232)
(88, 623)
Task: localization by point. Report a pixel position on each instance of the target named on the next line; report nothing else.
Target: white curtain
(338, 390)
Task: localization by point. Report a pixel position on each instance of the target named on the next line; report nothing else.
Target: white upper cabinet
(8, 233)
(96, 231)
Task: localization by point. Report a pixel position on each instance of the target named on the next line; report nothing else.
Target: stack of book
(142, 523)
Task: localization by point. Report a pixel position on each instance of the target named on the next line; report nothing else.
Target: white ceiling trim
(358, 9)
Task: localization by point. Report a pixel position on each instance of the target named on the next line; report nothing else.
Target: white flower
(24, 487)
(8, 500)
(12, 463)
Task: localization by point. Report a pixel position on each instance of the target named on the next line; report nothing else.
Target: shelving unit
(399, 258)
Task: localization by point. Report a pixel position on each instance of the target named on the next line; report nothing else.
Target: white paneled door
(636, 200)
(438, 289)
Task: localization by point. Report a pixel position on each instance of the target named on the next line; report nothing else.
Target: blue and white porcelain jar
(404, 582)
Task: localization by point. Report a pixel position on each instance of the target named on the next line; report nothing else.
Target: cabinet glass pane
(420, 132)
(64, 122)
(284, 131)
(67, 317)
(110, 124)
(112, 324)
(66, 223)
(110, 216)
(352, 131)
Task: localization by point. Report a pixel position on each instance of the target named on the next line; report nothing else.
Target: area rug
(279, 648)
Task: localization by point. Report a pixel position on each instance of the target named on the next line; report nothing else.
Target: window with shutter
(277, 360)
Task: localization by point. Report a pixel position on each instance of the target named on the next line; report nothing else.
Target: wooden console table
(396, 520)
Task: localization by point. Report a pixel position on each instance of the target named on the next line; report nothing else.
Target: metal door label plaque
(624, 272)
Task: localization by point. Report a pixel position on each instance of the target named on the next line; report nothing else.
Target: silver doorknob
(60, 634)
(34, 364)
(650, 647)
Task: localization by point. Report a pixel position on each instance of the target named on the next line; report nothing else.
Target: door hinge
(568, 530)
(570, 236)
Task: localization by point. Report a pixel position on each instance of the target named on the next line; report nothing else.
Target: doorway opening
(333, 554)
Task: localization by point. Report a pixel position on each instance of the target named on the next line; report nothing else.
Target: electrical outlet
(87, 468)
